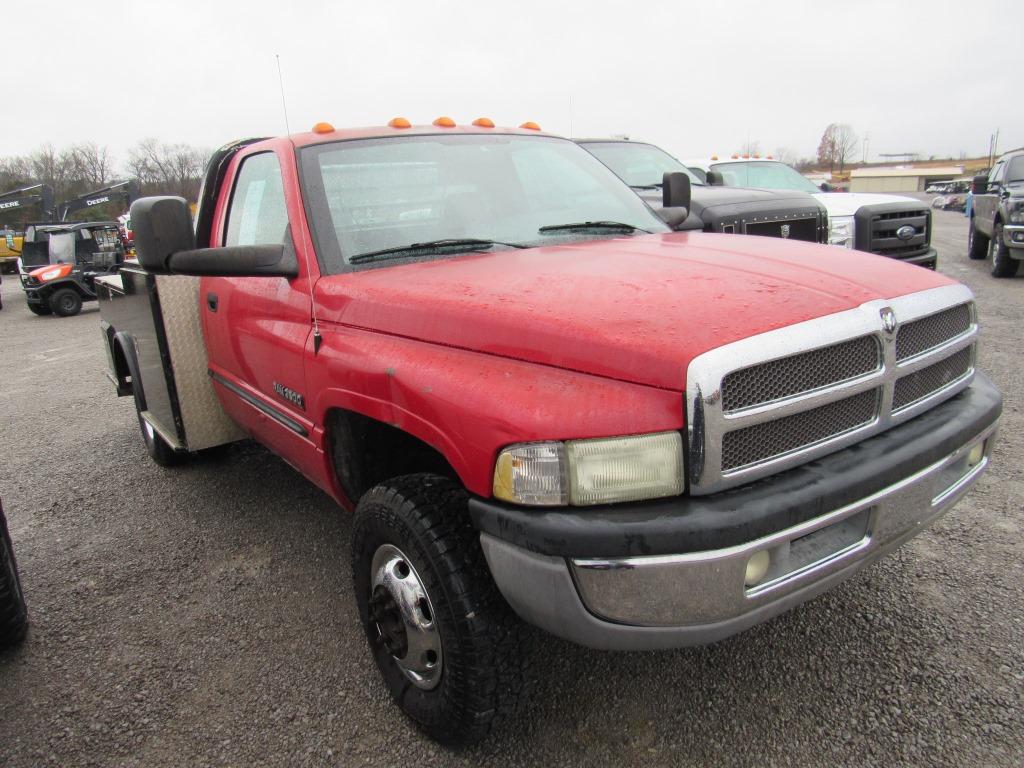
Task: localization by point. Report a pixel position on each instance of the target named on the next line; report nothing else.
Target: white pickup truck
(889, 225)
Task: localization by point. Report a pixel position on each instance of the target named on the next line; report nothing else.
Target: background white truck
(889, 225)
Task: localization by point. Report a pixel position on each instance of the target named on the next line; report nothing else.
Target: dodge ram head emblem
(785, 230)
(905, 232)
(888, 319)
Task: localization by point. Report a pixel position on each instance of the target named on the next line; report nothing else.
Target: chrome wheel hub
(404, 617)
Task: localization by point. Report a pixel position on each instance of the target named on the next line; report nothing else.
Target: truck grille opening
(920, 384)
(758, 443)
(877, 231)
(799, 374)
(799, 229)
(933, 331)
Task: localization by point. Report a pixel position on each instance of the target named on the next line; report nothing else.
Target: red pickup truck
(539, 401)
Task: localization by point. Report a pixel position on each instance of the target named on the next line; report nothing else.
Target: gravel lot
(204, 616)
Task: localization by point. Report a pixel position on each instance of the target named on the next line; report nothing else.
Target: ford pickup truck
(538, 402)
(890, 225)
(997, 216)
(790, 214)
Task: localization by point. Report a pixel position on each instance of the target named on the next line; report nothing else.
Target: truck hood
(709, 205)
(636, 309)
(847, 203)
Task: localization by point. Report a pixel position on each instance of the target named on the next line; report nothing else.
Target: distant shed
(904, 179)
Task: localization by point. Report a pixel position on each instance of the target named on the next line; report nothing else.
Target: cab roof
(324, 133)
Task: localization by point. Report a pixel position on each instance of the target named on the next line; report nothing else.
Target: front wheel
(13, 613)
(66, 302)
(1003, 265)
(977, 244)
(158, 449)
(450, 649)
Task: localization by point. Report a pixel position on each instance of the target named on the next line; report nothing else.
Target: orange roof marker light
(714, 157)
(483, 122)
(399, 122)
(530, 126)
(768, 157)
(444, 122)
(323, 128)
(735, 157)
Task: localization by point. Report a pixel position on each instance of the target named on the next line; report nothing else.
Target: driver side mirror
(165, 242)
(825, 186)
(715, 179)
(979, 185)
(675, 198)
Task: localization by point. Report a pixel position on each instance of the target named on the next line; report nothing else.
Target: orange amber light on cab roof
(530, 126)
(399, 122)
(483, 122)
(323, 128)
(714, 157)
(444, 122)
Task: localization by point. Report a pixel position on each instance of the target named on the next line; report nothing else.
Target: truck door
(256, 328)
(985, 204)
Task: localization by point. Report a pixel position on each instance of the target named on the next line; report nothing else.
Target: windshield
(1015, 172)
(639, 165)
(763, 175)
(367, 196)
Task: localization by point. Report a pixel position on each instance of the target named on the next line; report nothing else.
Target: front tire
(977, 243)
(65, 302)
(13, 613)
(448, 646)
(157, 448)
(1003, 265)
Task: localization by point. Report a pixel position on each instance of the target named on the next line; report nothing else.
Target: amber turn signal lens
(444, 122)
(530, 126)
(323, 128)
(399, 122)
(483, 122)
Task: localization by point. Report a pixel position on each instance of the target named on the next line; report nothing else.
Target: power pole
(867, 140)
(993, 144)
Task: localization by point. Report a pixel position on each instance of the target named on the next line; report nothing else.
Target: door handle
(211, 301)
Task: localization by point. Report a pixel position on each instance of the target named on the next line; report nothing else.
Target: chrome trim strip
(707, 423)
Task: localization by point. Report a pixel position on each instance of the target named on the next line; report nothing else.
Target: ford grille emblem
(785, 230)
(888, 319)
(905, 232)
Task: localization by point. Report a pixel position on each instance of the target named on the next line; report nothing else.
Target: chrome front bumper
(677, 600)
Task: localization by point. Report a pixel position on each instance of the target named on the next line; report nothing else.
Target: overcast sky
(698, 78)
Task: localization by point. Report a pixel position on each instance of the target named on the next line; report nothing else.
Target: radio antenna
(317, 338)
(284, 103)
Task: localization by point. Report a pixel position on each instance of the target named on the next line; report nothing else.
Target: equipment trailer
(538, 400)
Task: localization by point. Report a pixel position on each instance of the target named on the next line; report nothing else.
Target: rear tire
(65, 302)
(157, 448)
(13, 613)
(455, 661)
(977, 243)
(39, 309)
(1003, 265)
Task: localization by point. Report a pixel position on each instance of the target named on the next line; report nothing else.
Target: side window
(997, 173)
(257, 214)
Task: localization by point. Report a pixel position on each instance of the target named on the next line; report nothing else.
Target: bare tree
(750, 148)
(92, 165)
(169, 169)
(787, 155)
(838, 143)
(54, 168)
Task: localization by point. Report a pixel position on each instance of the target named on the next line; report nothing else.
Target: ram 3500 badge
(538, 401)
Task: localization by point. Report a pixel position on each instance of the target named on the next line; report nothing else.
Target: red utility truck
(539, 402)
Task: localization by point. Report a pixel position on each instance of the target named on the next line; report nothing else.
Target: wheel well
(117, 354)
(365, 452)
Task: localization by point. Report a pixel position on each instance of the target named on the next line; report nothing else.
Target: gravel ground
(204, 616)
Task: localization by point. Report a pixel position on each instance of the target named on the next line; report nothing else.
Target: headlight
(841, 231)
(583, 472)
(50, 274)
(1017, 213)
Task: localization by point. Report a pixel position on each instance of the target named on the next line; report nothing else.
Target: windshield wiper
(583, 225)
(464, 243)
(656, 185)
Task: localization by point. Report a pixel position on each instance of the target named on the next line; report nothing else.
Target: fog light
(757, 567)
(976, 454)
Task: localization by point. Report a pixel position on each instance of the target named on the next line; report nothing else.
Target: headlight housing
(49, 274)
(585, 472)
(1017, 212)
(841, 231)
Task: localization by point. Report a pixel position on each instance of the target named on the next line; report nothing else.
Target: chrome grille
(937, 376)
(797, 374)
(769, 439)
(773, 401)
(933, 331)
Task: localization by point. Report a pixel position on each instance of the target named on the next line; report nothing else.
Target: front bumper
(928, 260)
(821, 523)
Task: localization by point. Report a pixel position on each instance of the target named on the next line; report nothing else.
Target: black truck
(997, 215)
(731, 210)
